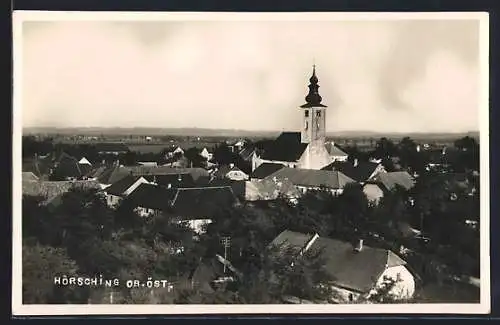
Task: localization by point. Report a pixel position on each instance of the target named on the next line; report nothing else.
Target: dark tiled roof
(113, 174)
(202, 201)
(181, 180)
(85, 169)
(361, 172)
(287, 147)
(68, 166)
(358, 271)
(97, 171)
(391, 179)
(313, 178)
(152, 197)
(246, 153)
(238, 187)
(291, 240)
(111, 147)
(119, 187)
(51, 189)
(166, 170)
(265, 170)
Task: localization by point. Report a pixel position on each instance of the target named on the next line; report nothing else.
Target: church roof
(287, 147)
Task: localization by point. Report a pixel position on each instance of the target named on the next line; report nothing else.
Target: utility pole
(226, 241)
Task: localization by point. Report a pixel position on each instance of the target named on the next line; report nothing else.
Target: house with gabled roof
(122, 188)
(357, 271)
(195, 206)
(312, 179)
(198, 206)
(383, 183)
(67, 167)
(360, 171)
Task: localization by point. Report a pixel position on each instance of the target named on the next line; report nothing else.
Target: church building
(306, 149)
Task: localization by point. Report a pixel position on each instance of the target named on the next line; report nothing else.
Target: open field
(159, 147)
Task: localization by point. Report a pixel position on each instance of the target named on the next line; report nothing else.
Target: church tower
(313, 114)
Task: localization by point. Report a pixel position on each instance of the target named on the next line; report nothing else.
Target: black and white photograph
(287, 163)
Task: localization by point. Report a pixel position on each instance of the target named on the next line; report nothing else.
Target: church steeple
(313, 98)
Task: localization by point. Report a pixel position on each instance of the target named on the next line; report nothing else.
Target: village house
(247, 154)
(230, 172)
(305, 149)
(357, 272)
(209, 275)
(383, 183)
(194, 206)
(174, 151)
(52, 191)
(312, 179)
(360, 171)
(70, 168)
(122, 188)
(180, 180)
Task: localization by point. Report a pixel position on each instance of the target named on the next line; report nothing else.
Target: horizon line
(234, 129)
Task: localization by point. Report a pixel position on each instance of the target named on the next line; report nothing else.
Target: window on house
(318, 114)
(306, 113)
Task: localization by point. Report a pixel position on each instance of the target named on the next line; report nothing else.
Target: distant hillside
(203, 132)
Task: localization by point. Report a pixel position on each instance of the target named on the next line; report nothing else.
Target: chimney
(355, 162)
(359, 246)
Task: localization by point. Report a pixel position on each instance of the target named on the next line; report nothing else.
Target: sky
(376, 75)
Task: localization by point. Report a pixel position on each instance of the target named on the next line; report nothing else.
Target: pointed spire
(313, 98)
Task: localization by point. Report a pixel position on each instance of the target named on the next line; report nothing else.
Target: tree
(41, 265)
(223, 155)
(385, 148)
(409, 156)
(194, 158)
(304, 276)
